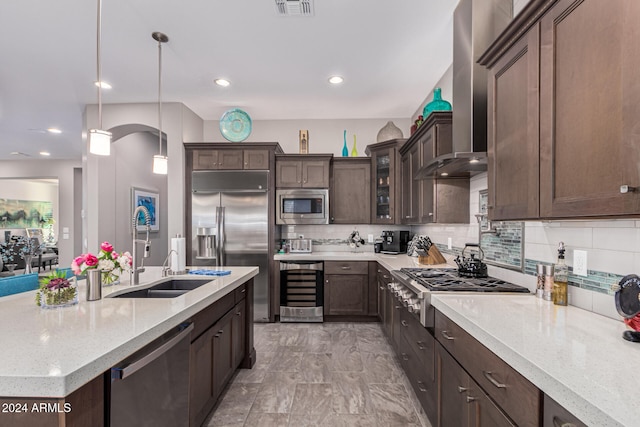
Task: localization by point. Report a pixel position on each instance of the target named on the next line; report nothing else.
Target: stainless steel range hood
(476, 24)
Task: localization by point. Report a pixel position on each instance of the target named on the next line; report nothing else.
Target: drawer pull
(489, 375)
(447, 336)
(385, 276)
(421, 345)
(344, 267)
(462, 389)
(404, 323)
(239, 313)
(470, 399)
(379, 271)
(243, 291)
(405, 357)
(558, 422)
(382, 288)
(398, 307)
(421, 387)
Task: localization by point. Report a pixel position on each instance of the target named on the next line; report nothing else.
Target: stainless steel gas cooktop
(447, 279)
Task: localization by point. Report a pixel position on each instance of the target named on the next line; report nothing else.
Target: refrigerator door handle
(222, 259)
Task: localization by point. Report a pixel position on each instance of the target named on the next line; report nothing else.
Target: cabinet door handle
(379, 271)
(405, 357)
(559, 422)
(238, 313)
(404, 323)
(627, 189)
(344, 267)
(384, 276)
(221, 331)
(489, 375)
(447, 336)
(421, 345)
(326, 281)
(430, 213)
(462, 389)
(470, 399)
(382, 288)
(216, 336)
(398, 307)
(421, 387)
(243, 291)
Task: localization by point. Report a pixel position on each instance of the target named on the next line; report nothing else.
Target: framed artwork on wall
(150, 200)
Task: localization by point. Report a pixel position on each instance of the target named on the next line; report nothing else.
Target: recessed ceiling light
(474, 160)
(222, 82)
(103, 85)
(335, 80)
(54, 130)
(45, 153)
(444, 174)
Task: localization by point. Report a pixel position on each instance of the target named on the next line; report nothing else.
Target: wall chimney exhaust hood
(476, 24)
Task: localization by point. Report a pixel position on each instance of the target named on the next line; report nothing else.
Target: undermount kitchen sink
(167, 288)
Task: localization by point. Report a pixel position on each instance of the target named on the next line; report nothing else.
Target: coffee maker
(395, 242)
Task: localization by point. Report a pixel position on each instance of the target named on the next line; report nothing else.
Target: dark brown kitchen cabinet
(238, 327)
(302, 171)
(429, 200)
(222, 359)
(383, 278)
(213, 157)
(589, 109)
(546, 89)
(350, 190)
(518, 398)
(385, 172)
(346, 288)
(555, 415)
(411, 188)
(513, 131)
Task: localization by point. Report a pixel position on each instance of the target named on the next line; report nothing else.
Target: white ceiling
(391, 54)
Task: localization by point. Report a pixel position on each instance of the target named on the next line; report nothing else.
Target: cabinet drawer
(556, 415)
(420, 377)
(519, 398)
(210, 315)
(346, 267)
(240, 293)
(420, 341)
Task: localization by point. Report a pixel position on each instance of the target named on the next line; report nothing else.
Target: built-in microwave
(302, 206)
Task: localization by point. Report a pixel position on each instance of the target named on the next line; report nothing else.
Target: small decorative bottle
(547, 293)
(438, 104)
(561, 279)
(354, 150)
(345, 149)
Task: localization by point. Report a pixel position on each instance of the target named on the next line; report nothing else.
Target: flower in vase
(108, 260)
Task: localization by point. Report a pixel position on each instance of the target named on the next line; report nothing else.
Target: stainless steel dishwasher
(151, 387)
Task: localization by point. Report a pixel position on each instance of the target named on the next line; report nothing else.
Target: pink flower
(80, 259)
(75, 267)
(114, 255)
(91, 260)
(106, 246)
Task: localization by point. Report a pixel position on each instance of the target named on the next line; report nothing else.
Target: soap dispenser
(561, 277)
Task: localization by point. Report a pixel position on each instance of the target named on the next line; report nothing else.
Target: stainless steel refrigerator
(229, 225)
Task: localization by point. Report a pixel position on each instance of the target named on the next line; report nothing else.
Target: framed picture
(150, 200)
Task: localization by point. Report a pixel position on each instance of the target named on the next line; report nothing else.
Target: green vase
(354, 150)
(345, 149)
(438, 104)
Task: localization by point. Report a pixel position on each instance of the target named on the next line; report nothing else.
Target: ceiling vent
(294, 7)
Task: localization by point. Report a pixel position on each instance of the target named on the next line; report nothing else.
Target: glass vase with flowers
(111, 263)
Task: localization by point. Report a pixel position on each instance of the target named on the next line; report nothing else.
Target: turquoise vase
(438, 104)
(345, 149)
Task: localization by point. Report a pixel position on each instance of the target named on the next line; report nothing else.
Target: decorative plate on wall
(235, 125)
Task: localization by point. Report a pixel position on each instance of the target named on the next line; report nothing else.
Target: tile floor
(327, 374)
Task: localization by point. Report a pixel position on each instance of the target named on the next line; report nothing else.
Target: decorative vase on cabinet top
(354, 150)
(345, 149)
(388, 132)
(438, 104)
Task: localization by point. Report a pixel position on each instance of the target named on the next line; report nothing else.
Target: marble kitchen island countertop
(576, 357)
(51, 353)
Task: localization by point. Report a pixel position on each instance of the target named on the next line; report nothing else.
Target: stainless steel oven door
(302, 206)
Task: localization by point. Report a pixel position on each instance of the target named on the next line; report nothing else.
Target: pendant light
(99, 140)
(160, 162)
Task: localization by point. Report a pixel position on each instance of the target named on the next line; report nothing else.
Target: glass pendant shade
(99, 142)
(160, 164)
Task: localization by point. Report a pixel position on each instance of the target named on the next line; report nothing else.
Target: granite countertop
(576, 357)
(51, 353)
(390, 262)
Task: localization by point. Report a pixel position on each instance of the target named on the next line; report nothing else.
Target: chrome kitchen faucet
(135, 270)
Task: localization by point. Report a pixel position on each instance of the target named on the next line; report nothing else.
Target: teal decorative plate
(235, 125)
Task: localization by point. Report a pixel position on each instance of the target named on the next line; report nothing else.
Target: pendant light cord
(99, 63)
(160, 96)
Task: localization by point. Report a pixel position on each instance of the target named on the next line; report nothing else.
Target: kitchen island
(50, 354)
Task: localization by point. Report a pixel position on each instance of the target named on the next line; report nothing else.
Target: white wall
(63, 170)
(325, 136)
(518, 5)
